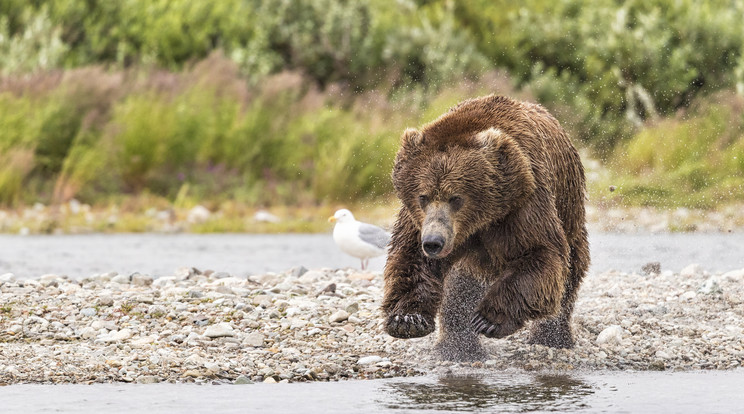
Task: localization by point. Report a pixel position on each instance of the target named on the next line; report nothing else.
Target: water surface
(243, 254)
(616, 392)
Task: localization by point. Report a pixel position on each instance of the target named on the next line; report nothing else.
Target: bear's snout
(437, 234)
(433, 244)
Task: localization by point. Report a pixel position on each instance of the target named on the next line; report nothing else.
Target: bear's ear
(411, 138)
(514, 178)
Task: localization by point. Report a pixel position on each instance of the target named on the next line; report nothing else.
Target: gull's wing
(373, 235)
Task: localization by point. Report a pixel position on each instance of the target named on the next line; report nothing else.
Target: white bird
(358, 239)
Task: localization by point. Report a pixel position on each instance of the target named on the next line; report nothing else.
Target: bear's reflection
(503, 393)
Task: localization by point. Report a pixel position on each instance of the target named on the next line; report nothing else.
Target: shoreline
(325, 325)
(78, 218)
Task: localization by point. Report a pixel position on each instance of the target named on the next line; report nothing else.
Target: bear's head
(454, 188)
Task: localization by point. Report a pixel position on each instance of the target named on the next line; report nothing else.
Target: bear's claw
(410, 325)
(482, 325)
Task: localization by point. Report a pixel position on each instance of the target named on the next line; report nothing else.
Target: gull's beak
(332, 219)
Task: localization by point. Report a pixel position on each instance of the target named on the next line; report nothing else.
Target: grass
(695, 160)
(141, 144)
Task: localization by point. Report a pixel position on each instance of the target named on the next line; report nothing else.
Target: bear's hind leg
(556, 332)
(457, 340)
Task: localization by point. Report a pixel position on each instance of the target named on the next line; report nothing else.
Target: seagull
(358, 239)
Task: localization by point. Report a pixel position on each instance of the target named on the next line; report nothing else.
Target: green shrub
(693, 161)
(613, 65)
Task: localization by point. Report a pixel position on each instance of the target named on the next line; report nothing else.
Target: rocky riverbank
(79, 218)
(324, 324)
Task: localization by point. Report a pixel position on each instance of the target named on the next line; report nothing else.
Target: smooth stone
(139, 279)
(198, 214)
(148, 379)
(734, 275)
(361, 276)
(263, 216)
(219, 330)
(710, 287)
(105, 300)
(691, 270)
(297, 271)
(352, 308)
(164, 281)
(310, 276)
(212, 367)
(611, 334)
(143, 341)
(688, 295)
(368, 360)
(7, 277)
(192, 373)
(89, 312)
(339, 316)
(255, 339)
(121, 279)
(116, 336)
(242, 380)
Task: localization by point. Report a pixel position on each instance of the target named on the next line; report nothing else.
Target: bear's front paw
(501, 326)
(410, 325)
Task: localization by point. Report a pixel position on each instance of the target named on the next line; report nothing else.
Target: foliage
(270, 101)
(692, 161)
(201, 133)
(617, 64)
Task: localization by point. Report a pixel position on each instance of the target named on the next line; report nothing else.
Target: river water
(616, 392)
(79, 256)
(631, 392)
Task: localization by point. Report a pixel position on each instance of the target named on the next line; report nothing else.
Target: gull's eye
(423, 201)
(456, 202)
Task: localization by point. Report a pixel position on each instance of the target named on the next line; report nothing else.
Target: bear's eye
(456, 202)
(423, 201)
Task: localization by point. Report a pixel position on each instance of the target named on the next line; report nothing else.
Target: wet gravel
(325, 325)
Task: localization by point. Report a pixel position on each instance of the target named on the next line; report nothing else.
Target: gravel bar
(325, 325)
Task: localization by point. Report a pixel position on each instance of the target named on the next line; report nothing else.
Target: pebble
(147, 379)
(187, 327)
(255, 339)
(710, 287)
(198, 214)
(339, 316)
(219, 330)
(241, 380)
(368, 360)
(611, 335)
(691, 270)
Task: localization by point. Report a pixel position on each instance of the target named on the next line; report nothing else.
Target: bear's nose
(433, 244)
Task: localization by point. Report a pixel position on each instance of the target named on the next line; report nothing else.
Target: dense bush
(100, 97)
(694, 159)
(364, 43)
(614, 64)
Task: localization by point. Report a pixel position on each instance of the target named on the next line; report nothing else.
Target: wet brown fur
(521, 228)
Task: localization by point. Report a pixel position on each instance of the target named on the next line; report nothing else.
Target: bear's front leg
(413, 285)
(412, 297)
(531, 287)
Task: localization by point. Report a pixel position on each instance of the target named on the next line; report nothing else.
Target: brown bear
(491, 231)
